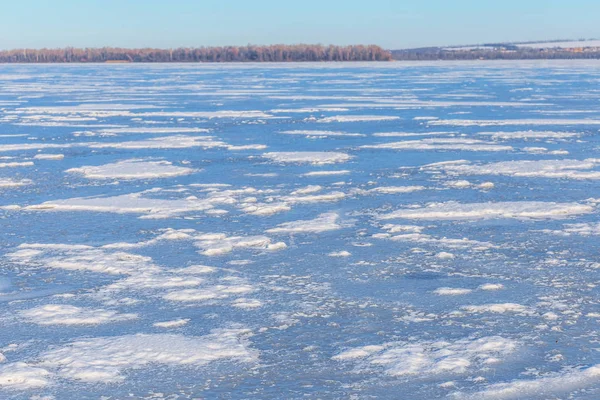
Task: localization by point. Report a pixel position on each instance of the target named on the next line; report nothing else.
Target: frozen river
(333, 231)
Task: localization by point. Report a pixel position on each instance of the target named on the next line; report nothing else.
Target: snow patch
(132, 169)
(57, 314)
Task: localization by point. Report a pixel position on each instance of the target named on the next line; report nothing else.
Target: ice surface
(259, 231)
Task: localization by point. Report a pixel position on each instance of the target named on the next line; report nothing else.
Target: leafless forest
(250, 53)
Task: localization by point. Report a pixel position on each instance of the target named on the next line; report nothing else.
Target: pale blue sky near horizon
(390, 23)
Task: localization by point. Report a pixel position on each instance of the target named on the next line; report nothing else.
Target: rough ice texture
(308, 157)
(132, 169)
(474, 211)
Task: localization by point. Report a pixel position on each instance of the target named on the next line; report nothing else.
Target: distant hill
(250, 53)
(554, 49)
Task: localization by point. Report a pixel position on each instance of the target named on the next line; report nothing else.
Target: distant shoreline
(548, 50)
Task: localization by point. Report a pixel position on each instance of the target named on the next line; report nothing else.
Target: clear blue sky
(390, 23)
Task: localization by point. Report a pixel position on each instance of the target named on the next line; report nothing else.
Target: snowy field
(333, 231)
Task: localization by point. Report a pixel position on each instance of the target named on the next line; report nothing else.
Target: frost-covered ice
(258, 231)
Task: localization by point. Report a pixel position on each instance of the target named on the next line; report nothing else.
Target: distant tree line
(505, 53)
(250, 53)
